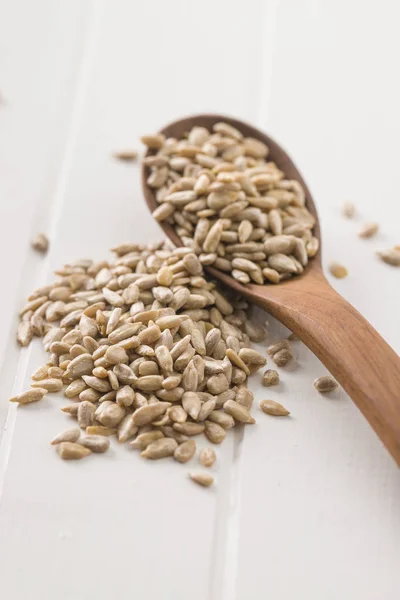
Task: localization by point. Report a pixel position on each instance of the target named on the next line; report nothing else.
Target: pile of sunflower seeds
(230, 205)
(146, 349)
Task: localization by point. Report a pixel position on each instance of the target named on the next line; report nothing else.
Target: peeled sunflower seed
(325, 384)
(40, 243)
(96, 443)
(270, 377)
(70, 435)
(72, 451)
(147, 414)
(338, 270)
(238, 412)
(126, 429)
(283, 357)
(203, 479)
(368, 230)
(29, 396)
(273, 408)
(390, 256)
(99, 430)
(185, 451)
(144, 439)
(207, 457)
(214, 432)
(160, 449)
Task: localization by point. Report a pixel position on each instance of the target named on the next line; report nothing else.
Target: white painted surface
(305, 507)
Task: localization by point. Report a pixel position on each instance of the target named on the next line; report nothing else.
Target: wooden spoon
(351, 349)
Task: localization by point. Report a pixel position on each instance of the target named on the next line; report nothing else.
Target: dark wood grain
(351, 349)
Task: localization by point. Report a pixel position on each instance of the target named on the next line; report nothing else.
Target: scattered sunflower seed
(72, 451)
(160, 449)
(390, 256)
(96, 443)
(126, 155)
(349, 210)
(325, 384)
(185, 451)
(70, 435)
(368, 230)
(203, 479)
(270, 377)
(271, 407)
(40, 243)
(207, 457)
(338, 271)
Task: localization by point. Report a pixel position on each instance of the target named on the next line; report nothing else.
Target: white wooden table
(306, 507)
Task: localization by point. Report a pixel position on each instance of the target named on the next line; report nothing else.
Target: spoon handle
(351, 349)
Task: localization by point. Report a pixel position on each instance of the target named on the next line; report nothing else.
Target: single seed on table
(70, 435)
(203, 479)
(207, 457)
(126, 155)
(338, 271)
(390, 256)
(185, 451)
(368, 230)
(283, 357)
(270, 377)
(29, 396)
(160, 449)
(40, 243)
(349, 210)
(271, 407)
(72, 451)
(325, 384)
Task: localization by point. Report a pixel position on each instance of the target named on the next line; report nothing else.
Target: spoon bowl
(351, 349)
